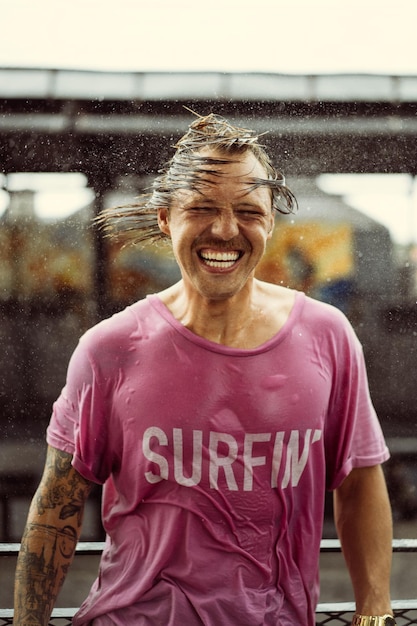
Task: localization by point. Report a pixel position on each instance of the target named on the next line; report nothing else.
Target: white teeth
(214, 258)
(219, 256)
(219, 263)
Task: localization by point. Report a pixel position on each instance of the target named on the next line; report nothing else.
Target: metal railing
(327, 613)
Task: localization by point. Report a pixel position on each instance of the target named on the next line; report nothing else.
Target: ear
(163, 221)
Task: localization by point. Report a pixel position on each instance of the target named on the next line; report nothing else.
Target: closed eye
(250, 214)
(200, 209)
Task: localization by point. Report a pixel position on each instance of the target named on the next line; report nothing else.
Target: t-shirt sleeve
(353, 434)
(79, 421)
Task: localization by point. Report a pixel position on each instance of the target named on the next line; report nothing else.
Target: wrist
(373, 620)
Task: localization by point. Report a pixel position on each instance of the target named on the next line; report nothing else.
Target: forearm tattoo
(62, 489)
(49, 540)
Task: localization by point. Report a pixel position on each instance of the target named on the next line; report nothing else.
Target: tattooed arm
(49, 541)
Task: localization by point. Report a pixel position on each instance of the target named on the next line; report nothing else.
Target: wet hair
(190, 169)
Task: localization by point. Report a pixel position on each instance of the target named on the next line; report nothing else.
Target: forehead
(239, 164)
(215, 173)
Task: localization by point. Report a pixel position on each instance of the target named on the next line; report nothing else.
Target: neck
(221, 321)
(242, 320)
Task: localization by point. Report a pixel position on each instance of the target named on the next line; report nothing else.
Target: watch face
(390, 621)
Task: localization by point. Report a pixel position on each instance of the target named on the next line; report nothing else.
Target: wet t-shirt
(214, 462)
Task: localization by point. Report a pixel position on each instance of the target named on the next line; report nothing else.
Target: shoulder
(329, 326)
(112, 334)
(306, 308)
(324, 311)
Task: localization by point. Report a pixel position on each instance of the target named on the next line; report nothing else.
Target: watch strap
(373, 620)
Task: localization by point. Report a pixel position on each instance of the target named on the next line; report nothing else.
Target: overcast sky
(295, 36)
(285, 36)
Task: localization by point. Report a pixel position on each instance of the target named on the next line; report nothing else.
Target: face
(219, 233)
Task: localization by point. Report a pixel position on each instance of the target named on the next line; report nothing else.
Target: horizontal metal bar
(402, 446)
(333, 607)
(83, 547)
(88, 124)
(404, 604)
(322, 607)
(96, 547)
(90, 547)
(67, 612)
(344, 607)
(9, 549)
(398, 545)
(63, 83)
(404, 545)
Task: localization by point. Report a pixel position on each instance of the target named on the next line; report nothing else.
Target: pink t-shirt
(215, 462)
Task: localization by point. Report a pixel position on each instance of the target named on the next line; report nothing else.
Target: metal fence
(327, 614)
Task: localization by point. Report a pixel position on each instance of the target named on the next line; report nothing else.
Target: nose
(225, 226)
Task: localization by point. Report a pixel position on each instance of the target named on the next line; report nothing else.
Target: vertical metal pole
(413, 209)
(100, 283)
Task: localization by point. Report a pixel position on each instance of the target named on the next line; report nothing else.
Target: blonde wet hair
(188, 169)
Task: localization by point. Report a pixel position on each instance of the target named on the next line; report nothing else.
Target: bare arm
(49, 541)
(364, 524)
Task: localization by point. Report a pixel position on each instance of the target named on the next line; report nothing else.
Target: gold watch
(373, 620)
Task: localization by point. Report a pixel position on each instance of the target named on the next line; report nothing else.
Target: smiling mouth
(218, 259)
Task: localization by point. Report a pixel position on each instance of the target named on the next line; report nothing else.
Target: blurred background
(92, 98)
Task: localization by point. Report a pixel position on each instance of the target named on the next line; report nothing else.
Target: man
(215, 414)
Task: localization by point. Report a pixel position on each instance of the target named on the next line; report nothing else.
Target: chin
(219, 293)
